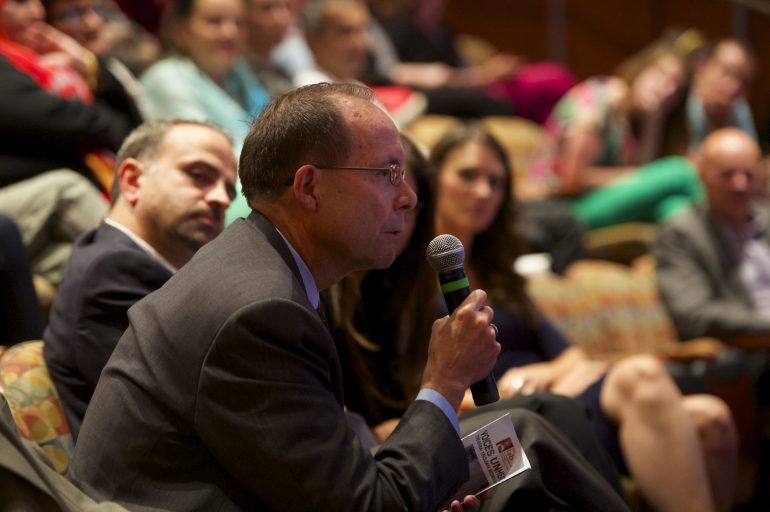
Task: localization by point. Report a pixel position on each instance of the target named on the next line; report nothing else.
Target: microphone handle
(455, 287)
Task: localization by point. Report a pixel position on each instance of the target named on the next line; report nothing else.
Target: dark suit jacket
(699, 280)
(225, 393)
(108, 273)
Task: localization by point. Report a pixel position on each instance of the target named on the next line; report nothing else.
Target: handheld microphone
(446, 255)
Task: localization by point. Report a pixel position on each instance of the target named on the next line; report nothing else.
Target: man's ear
(305, 187)
(130, 178)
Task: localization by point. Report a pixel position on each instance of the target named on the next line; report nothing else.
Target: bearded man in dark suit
(174, 181)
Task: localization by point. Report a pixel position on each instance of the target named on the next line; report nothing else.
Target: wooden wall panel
(516, 27)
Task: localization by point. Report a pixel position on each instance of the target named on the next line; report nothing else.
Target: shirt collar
(308, 281)
(141, 243)
(736, 241)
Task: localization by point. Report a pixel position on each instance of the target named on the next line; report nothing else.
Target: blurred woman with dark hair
(637, 410)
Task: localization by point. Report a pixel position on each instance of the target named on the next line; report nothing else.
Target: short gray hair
(302, 126)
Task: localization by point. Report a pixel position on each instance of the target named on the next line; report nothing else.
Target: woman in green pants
(604, 128)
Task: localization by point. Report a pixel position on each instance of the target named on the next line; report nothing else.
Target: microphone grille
(445, 252)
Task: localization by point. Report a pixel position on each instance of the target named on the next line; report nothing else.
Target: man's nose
(407, 199)
(740, 181)
(218, 194)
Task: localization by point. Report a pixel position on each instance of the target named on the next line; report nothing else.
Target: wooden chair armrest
(699, 348)
(690, 350)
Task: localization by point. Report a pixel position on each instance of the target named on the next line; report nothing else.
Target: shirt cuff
(437, 399)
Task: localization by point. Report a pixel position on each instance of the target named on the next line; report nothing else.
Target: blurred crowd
(667, 138)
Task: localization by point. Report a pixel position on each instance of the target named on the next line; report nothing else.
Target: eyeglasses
(77, 12)
(395, 172)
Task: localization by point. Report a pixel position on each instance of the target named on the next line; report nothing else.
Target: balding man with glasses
(225, 392)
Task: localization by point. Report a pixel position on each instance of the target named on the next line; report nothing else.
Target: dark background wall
(593, 36)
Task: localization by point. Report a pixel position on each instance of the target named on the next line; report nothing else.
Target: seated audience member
(337, 32)
(52, 210)
(205, 76)
(412, 46)
(99, 25)
(717, 97)
(58, 109)
(292, 53)
(174, 181)
(637, 409)
(712, 261)
(242, 400)
(269, 24)
(20, 314)
(49, 114)
(603, 128)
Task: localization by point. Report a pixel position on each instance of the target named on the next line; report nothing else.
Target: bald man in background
(713, 268)
(713, 261)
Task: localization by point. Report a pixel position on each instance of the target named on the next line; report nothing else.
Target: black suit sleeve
(267, 410)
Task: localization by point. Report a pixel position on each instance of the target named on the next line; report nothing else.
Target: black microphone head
(445, 253)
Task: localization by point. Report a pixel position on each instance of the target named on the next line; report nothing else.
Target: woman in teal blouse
(204, 76)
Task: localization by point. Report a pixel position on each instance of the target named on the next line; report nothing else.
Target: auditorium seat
(34, 401)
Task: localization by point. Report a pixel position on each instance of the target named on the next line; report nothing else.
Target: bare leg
(657, 437)
(719, 440)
